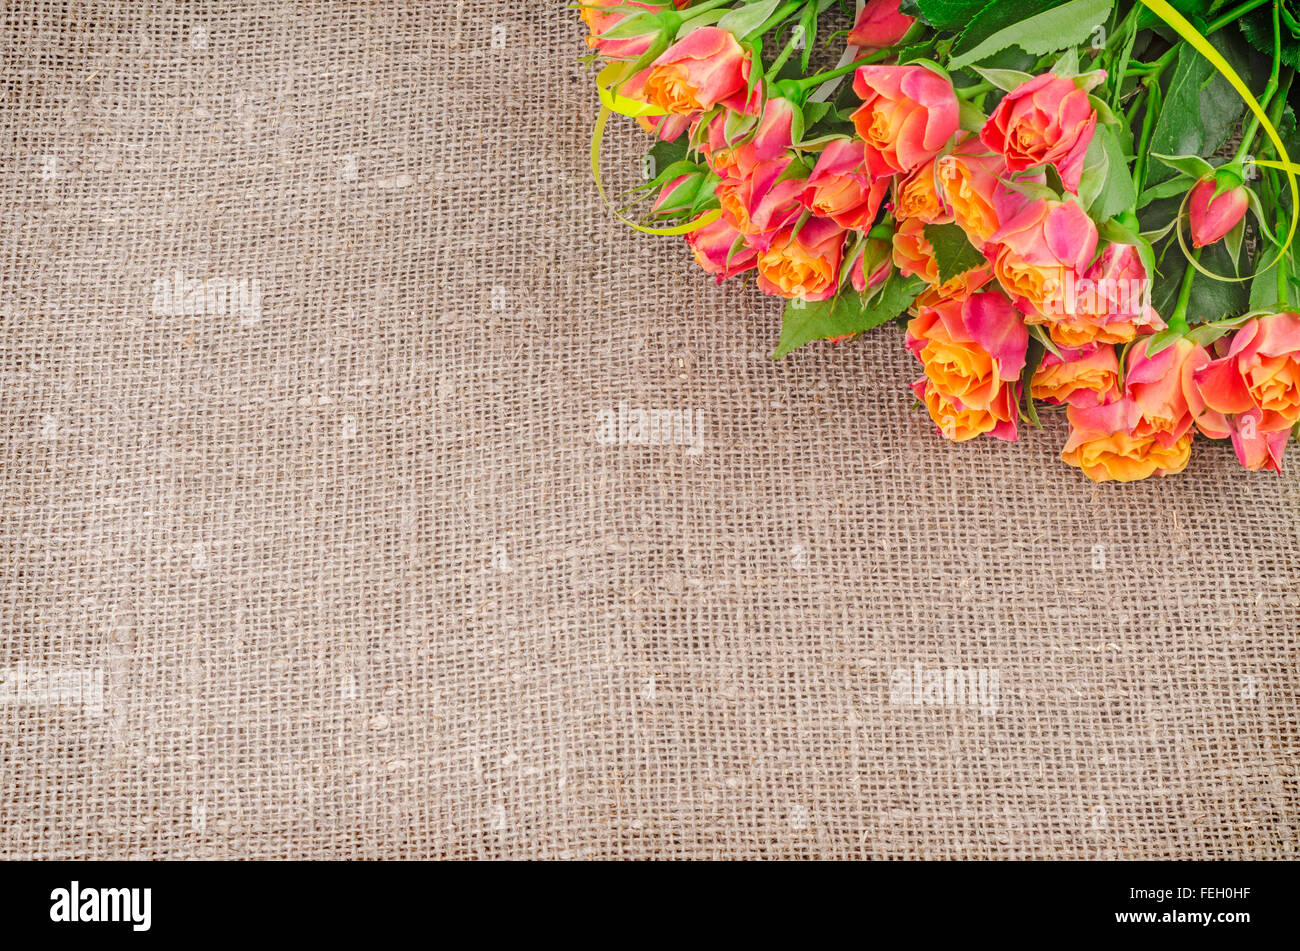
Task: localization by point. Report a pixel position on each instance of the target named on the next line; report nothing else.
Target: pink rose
(757, 202)
(1259, 372)
(699, 71)
(1108, 303)
(840, 188)
(713, 246)
(908, 114)
(1047, 245)
(1164, 390)
(1047, 119)
(1257, 448)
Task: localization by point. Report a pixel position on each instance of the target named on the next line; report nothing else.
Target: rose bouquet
(1089, 204)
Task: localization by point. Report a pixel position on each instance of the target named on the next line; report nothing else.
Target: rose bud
(879, 25)
(1212, 217)
(871, 266)
(601, 16)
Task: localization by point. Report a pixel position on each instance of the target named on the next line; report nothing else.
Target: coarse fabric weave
(369, 492)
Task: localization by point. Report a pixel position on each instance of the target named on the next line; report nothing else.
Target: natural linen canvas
(369, 490)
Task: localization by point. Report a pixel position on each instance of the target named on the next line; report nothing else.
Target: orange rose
(970, 180)
(955, 420)
(1084, 377)
(916, 196)
(699, 71)
(1103, 445)
(806, 265)
(973, 351)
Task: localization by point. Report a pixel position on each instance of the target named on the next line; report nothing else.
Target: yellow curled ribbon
(623, 105)
(1179, 23)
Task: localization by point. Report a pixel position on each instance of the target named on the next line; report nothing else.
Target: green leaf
(1096, 169)
(969, 116)
(808, 24)
(1211, 299)
(953, 251)
(1160, 340)
(634, 24)
(1033, 357)
(893, 298)
(804, 321)
(1263, 289)
(1191, 165)
(1116, 193)
(844, 314)
(947, 14)
(1068, 64)
(1199, 111)
(1030, 27)
(1036, 332)
(666, 154)
(1232, 241)
(1257, 26)
(744, 20)
(1007, 79)
(1206, 334)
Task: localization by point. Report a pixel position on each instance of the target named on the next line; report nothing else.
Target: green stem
(820, 78)
(1271, 184)
(966, 92)
(1281, 271)
(1234, 14)
(1138, 100)
(1178, 319)
(1120, 27)
(1248, 136)
(1148, 125)
(784, 55)
(1157, 67)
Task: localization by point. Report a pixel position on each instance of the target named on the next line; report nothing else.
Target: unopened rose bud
(1212, 217)
(879, 25)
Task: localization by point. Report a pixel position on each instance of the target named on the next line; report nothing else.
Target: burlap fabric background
(350, 570)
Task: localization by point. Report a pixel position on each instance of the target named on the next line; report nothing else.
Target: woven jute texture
(329, 527)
